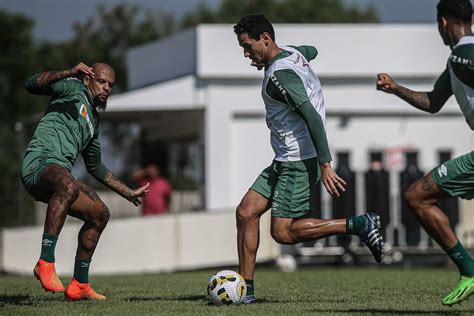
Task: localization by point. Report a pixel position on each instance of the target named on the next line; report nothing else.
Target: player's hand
(331, 180)
(142, 191)
(82, 69)
(386, 84)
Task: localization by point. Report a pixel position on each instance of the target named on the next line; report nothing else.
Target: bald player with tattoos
(69, 127)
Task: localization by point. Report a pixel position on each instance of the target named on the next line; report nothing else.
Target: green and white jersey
(460, 70)
(289, 82)
(70, 125)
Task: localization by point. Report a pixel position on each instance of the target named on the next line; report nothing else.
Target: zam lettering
(275, 81)
(461, 60)
(84, 114)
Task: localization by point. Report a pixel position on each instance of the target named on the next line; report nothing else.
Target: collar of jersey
(468, 39)
(280, 55)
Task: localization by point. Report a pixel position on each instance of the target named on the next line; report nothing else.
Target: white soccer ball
(286, 263)
(226, 287)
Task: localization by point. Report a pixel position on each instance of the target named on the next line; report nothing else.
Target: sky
(53, 18)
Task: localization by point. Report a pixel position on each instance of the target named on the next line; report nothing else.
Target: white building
(198, 82)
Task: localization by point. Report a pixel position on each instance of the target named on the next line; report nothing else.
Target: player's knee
(412, 197)
(282, 236)
(69, 192)
(102, 216)
(244, 213)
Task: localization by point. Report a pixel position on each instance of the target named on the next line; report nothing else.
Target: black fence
(406, 241)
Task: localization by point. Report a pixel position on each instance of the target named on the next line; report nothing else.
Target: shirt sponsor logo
(461, 60)
(277, 84)
(442, 171)
(83, 110)
(85, 114)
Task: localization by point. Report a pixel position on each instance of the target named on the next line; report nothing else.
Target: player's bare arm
(430, 102)
(47, 78)
(118, 186)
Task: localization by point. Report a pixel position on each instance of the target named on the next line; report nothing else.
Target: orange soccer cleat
(81, 291)
(46, 273)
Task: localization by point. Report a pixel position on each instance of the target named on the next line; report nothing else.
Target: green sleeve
(287, 87)
(316, 130)
(59, 88)
(309, 52)
(93, 159)
(32, 87)
(443, 83)
(462, 63)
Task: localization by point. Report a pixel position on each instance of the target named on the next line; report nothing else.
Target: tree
(107, 37)
(104, 37)
(283, 11)
(16, 62)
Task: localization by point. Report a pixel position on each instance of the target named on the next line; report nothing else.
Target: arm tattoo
(427, 185)
(419, 100)
(45, 79)
(118, 186)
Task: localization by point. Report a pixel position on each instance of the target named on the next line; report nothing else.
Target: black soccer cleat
(371, 235)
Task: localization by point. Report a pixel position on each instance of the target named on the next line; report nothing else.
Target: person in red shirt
(158, 199)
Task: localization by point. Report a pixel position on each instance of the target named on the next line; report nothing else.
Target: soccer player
(454, 177)
(295, 115)
(69, 127)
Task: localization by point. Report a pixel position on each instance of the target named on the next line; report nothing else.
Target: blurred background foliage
(107, 36)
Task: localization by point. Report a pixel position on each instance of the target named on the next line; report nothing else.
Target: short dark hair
(457, 9)
(254, 26)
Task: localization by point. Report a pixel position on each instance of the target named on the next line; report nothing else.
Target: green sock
(355, 225)
(462, 259)
(48, 245)
(250, 288)
(81, 270)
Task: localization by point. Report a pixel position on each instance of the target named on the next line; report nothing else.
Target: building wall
(359, 119)
(238, 145)
(138, 245)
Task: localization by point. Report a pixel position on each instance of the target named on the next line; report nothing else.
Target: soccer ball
(226, 287)
(286, 263)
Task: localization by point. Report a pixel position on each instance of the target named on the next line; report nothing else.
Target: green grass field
(308, 291)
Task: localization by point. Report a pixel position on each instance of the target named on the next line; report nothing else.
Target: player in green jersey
(454, 177)
(295, 115)
(69, 127)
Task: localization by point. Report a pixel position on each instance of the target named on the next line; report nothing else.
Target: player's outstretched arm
(430, 102)
(40, 83)
(118, 186)
(93, 161)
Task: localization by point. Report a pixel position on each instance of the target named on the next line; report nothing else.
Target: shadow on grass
(387, 312)
(24, 300)
(191, 298)
(167, 298)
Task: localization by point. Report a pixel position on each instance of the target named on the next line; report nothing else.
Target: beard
(101, 105)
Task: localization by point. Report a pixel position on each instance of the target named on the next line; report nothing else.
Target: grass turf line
(330, 291)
